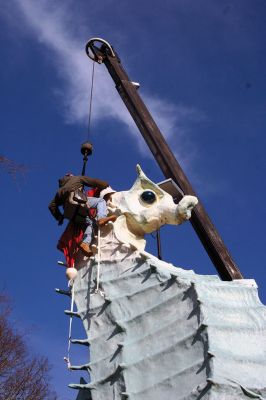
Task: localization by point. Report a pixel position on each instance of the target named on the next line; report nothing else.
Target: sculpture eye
(148, 197)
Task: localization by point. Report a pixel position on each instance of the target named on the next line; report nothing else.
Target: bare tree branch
(22, 377)
(11, 167)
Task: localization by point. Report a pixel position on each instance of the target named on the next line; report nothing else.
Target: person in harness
(77, 208)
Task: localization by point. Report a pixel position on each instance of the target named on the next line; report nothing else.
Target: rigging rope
(91, 94)
(97, 289)
(98, 261)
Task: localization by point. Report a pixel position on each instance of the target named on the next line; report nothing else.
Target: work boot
(85, 247)
(103, 221)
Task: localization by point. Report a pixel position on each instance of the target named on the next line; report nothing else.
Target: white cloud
(53, 24)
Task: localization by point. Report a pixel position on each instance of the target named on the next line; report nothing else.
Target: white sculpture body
(155, 331)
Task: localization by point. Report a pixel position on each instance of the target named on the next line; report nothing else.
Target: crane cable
(91, 95)
(71, 284)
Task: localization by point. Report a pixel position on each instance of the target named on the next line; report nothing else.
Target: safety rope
(67, 359)
(97, 289)
(91, 95)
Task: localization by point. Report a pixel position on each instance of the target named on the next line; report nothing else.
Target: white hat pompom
(71, 273)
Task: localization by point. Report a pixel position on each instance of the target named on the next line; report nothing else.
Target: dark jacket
(69, 184)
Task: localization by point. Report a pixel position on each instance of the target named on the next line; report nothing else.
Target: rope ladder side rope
(67, 358)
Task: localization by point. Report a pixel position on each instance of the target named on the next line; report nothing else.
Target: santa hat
(106, 191)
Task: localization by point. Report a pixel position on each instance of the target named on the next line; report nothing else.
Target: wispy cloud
(52, 25)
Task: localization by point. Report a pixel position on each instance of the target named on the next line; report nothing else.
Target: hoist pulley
(96, 54)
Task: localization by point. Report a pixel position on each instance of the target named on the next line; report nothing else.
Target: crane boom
(206, 231)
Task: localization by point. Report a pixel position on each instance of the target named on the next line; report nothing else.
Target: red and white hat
(106, 191)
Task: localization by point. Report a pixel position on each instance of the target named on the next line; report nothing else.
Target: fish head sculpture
(147, 207)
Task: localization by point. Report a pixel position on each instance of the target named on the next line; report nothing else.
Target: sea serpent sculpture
(158, 332)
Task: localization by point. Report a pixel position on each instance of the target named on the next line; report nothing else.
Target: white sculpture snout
(184, 208)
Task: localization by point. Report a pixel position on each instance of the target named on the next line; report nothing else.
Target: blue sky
(201, 65)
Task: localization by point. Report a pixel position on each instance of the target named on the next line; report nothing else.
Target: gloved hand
(61, 220)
